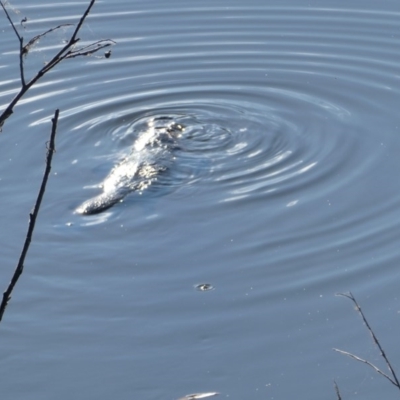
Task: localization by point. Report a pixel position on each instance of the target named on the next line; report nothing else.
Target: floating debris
(202, 287)
(195, 396)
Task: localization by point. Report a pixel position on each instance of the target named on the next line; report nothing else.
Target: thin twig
(38, 37)
(379, 371)
(65, 52)
(78, 27)
(21, 53)
(392, 379)
(32, 217)
(339, 397)
(72, 41)
(10, 20)
(91, 48)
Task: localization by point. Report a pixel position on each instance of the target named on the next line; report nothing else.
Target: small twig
(392, 379)
(10, 20)
(78, 27)
(339, 397)
(72, 41)
(91, 48)
(32, 217)
(38, 37)
(65, 52)
(379, 371)
(21, 52)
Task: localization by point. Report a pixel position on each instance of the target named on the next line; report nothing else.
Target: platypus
(152, 153)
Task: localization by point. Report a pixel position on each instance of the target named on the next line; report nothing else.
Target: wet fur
(151, 154)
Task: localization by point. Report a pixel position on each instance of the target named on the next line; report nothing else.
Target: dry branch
(38, 37)
(393, 378)
(339, 397)
(32, 217)
(378, 370)
(90, 49)
(67, 51)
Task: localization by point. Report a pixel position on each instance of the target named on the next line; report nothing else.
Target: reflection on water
(281, 191)
(149, 157)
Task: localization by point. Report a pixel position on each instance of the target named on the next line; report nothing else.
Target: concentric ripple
(249, 148)
(249, 151)
(282, 103)
(278, 101)
(282, 190)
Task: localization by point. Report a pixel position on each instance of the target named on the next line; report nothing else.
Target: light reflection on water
(282, 192)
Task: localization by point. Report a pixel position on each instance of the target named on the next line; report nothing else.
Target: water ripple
(282, 190)
(278, 102)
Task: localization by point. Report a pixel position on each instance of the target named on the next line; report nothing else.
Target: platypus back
(151, 154)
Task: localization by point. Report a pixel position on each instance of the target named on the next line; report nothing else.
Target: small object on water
(203, 287)
(195, 396)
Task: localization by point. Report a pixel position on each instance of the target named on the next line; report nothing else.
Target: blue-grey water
(283, 191)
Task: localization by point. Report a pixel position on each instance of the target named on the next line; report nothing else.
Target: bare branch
(78, 27)
(72, 41)
(38, 37)
(21, 50)
(339, 397)
(392, 379)
(32, 218)
(379, 371)
(91, 48)
(65, 52)
(10, 21)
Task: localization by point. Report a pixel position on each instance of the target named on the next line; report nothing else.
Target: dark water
(283, 192)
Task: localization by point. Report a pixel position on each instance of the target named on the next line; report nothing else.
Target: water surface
(283, 192)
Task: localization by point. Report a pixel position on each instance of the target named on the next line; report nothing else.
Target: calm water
(283, 191)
